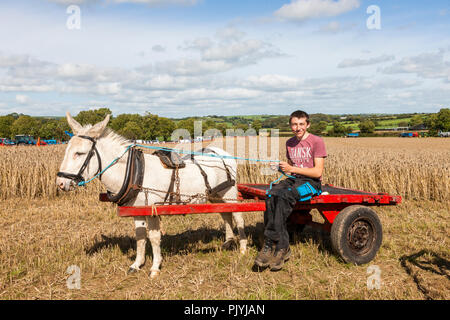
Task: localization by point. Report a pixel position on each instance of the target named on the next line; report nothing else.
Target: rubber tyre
(356, 234)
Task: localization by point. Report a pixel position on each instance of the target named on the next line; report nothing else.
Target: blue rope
(204, 154)
(82, 183)
(279, 178)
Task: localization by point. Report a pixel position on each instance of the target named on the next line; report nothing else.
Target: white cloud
(200, 44)
(108, 88)
(230, 33)
(159, 2)
(351, 63)
(86, 72)
(234, 51)
(69, 2)
(191, 67)
(426, 65)
(158, 48)
(332, 27)
(300, 10)
(272, 82)
(335, 27)
(13, 60)
(146, 2)
(216, 56)
(22, 99)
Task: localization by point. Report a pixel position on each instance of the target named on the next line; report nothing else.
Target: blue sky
(200, 57)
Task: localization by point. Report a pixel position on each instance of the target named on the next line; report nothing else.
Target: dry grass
(44, 232)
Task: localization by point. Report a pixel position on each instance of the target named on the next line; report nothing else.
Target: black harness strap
(221, 186)
(205, 176)
(134, 177)
(169, 193)
(79, 176)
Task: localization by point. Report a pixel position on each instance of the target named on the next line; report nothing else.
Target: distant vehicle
(155, 141)
(353, 135)
(444, 134)
(26, 140)
(6, 142)
(406, 134)
(409, 134)
(49, 141)
(22, 139)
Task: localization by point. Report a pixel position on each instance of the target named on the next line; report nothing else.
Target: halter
(77, 178)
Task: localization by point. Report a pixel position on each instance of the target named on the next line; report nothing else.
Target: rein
(127, 191)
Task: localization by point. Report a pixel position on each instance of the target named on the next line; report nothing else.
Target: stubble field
(45, 231)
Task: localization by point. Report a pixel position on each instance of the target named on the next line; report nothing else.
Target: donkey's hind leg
(229, 243)
(140, 225)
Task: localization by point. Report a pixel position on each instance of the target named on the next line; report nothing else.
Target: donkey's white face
(77, 152)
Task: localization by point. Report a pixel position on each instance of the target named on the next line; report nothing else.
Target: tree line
(150, 126)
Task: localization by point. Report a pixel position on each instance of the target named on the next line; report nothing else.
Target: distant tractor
(25, 140)
(22, 139)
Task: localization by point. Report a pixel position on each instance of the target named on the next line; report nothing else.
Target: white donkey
(110, 145)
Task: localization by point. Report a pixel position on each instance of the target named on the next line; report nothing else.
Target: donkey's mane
(109, 134)
(115, 137)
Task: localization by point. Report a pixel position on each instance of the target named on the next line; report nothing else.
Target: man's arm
(315, 172)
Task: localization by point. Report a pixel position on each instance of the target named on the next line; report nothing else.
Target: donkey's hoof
(154, 274)
(132, 270)
(243, 247)
(229, 245)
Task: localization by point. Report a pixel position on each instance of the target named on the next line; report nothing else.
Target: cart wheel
(356, 234)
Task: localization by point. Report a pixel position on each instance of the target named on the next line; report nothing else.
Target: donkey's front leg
(241, 230)
(154, 234)
(140, 225)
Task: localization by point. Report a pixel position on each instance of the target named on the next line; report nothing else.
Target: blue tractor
(22, 139)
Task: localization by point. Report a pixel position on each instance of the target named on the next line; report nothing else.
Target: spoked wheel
(356, 234)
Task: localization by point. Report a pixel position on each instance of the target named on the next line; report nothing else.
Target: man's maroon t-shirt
(303, 152)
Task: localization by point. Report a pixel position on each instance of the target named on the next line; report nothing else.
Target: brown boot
(266, 254)
(279, 258)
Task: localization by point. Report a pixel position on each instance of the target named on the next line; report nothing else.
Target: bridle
(77, 178)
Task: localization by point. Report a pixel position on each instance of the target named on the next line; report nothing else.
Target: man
(305, 153)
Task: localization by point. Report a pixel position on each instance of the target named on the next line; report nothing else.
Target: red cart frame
(328, 205)
(355, 229)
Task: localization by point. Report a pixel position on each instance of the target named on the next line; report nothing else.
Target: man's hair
(299, 114)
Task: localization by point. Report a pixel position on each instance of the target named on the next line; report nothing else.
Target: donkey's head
(81, 160)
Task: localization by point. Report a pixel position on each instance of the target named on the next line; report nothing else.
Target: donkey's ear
(74, 125)
(97, 130)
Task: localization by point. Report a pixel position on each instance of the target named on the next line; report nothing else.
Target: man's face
(299, 126)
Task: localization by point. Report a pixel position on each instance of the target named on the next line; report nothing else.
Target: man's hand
(286, 167)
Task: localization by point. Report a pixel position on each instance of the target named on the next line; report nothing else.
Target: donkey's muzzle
(77, 178)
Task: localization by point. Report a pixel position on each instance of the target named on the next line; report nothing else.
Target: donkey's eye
(79, 153)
